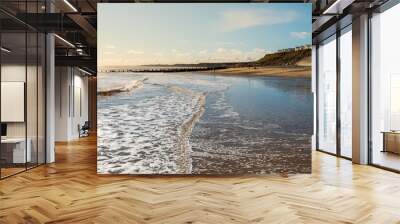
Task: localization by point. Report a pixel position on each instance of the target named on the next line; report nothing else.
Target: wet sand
(294, 71)
(192, 123)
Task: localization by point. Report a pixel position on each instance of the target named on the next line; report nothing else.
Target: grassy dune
(293, 71)
(283, 64)
(284, 58)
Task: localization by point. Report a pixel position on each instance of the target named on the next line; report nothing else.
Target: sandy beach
(195, 123)
(294, 71)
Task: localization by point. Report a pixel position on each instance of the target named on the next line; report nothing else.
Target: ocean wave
(150, 133)
(185, 132)
(130, 86)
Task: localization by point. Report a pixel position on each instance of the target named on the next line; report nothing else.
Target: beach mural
(219, 89)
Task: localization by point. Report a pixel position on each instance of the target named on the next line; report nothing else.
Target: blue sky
(138, 34)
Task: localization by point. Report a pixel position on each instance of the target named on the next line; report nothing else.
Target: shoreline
(271, 71)
(185, 132)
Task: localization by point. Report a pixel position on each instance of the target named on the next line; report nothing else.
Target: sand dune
(293, 71)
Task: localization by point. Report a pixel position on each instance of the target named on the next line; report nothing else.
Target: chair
(84, 130)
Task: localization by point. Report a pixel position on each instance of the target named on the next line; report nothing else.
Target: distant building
(298, 48)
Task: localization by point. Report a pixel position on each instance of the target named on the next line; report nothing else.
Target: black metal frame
(316, 97)
(338, 98)
(369, 81)
(0, 91)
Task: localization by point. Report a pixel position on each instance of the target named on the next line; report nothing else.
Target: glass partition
(385, 89)
(31, 99)
(346, 92)
(327, 95)
(23, 91)
(13, 94)
(41, 97)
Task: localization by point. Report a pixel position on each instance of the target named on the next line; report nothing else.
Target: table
(391, 141)
(16, 147)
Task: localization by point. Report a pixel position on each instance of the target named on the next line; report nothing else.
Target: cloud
(220, 50)
(259, 51)
(110, 47)
(179, 53)
(183, 54)
(236, 52)
(256, 54)
(236, 19)
(174, 56)
(229, 55)
(300, 35)
(203, 52)
(135, 52)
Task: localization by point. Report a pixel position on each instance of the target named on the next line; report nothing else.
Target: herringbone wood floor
(70, 191)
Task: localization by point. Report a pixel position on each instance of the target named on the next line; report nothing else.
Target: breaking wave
(132, 85)
(148, 132)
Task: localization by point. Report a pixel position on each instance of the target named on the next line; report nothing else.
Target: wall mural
(221, 89)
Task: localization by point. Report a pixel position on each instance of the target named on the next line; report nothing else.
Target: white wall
(62, 81)
(14, 72)
(33, 125)
(17, 73)
(70, 83)
(79, 117)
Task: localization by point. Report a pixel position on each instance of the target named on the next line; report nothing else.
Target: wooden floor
(70, 191)
(5, 172)
(387, 159)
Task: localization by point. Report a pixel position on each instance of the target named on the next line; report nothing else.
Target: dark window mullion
(338, 80)
(26, 87)
(0, 98)
(37, 90)
(317, 97)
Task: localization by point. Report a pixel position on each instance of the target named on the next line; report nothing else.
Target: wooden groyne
(172, 69)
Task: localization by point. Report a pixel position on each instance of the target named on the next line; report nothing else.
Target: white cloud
(236, 52)
(180, 54)
(135, 52)
(259, 51)
(220, 50)
(203, 52)
(236, 19)
(229, 55)
(255, 54)
(110, 47)
(300, 35)
(218, 54)
(183, 54)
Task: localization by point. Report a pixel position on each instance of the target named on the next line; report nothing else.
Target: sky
(143, 34)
